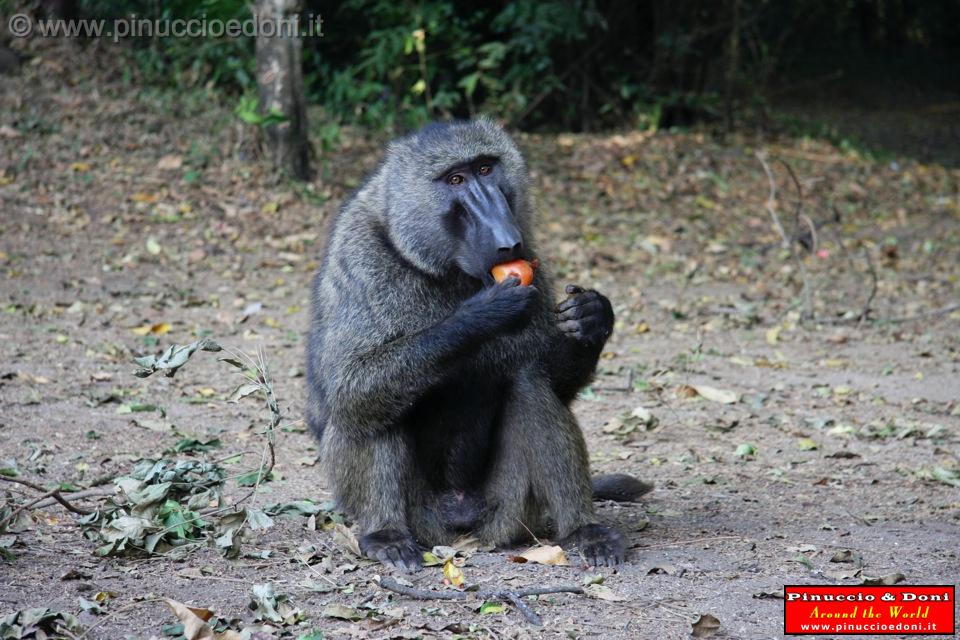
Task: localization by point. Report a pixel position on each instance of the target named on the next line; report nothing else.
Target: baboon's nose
(510, 252)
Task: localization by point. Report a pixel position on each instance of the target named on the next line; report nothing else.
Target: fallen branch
(771, 203)
(771, 206)
(523, 608)
(94, 492)
(874, 286)
(513, 596)
(942, 311)
(677, 543)
(46, 493)
(925, 315)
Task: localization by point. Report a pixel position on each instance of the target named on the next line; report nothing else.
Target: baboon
(441, 397)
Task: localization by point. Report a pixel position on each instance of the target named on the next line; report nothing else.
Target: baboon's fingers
(595, 555)
(572, 289)
(600, 545)
(393, 548)
(392, 557)
(589, 308)
(508, 282)
(571, 328)
(584, 297)
(603, 554)
(413, 560)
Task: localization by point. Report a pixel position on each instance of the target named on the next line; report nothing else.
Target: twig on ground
(94, 492)
(678, 543)
(523, 608)
(814, 242)
(315, 571)
(926, 315)
(771, 203)
(796, 183)
(786, 242)
(874, 284)
(513, 596)
(116, 612)
(47, 493)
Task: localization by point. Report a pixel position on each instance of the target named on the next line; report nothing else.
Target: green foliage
(158, 507)
(388, 66)
(557, 64)
(248, 110)
(185, 62)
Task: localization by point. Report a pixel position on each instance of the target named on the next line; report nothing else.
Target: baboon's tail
(618, 487)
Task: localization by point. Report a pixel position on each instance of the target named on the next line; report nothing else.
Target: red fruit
(518, 269)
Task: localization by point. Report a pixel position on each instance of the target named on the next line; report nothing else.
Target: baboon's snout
(493, 235)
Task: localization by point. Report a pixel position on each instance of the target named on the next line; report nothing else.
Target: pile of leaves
(39, 623)
(158, 507)
(274, 615)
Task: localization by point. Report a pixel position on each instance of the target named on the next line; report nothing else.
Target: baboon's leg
(376, 481)
(541, 468)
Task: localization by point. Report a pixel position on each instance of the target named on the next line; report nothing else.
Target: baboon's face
(479, 216)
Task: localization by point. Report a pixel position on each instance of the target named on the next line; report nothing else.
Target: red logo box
(919, 610)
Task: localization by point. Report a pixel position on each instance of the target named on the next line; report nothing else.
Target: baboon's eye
(485, 169)
(455, 179)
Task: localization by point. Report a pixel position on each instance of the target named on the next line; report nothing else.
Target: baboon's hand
(504, 307)
(598, 545)
(585, 316)
(394, 548)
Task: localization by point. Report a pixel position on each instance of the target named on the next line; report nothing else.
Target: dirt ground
(126, 211)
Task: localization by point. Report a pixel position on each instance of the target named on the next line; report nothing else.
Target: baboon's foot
(394, 548)
(599, 545)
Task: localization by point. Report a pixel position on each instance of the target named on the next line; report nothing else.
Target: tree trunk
(733, 63)
(280, 82)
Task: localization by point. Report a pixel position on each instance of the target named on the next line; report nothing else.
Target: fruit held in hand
(518, 269)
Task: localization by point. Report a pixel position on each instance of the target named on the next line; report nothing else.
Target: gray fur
(394, 319)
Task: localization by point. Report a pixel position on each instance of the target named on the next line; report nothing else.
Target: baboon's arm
(372, 386)
(570, 366)
(584, 322)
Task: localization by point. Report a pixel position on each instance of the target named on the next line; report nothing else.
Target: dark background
(591, 66)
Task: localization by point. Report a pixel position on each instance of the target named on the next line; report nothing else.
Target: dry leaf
(453, 573)
(613, 425)
(170, 162)
(149, 198)
(194, 620)
(344, 538)
(685, 391)
(341, 611)
(467, 545)
(158, 329)
(602, 592)
(723, 396)
(889, 579)
(834, 362)
(772, 334)
(544, 555)
(705, 626)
